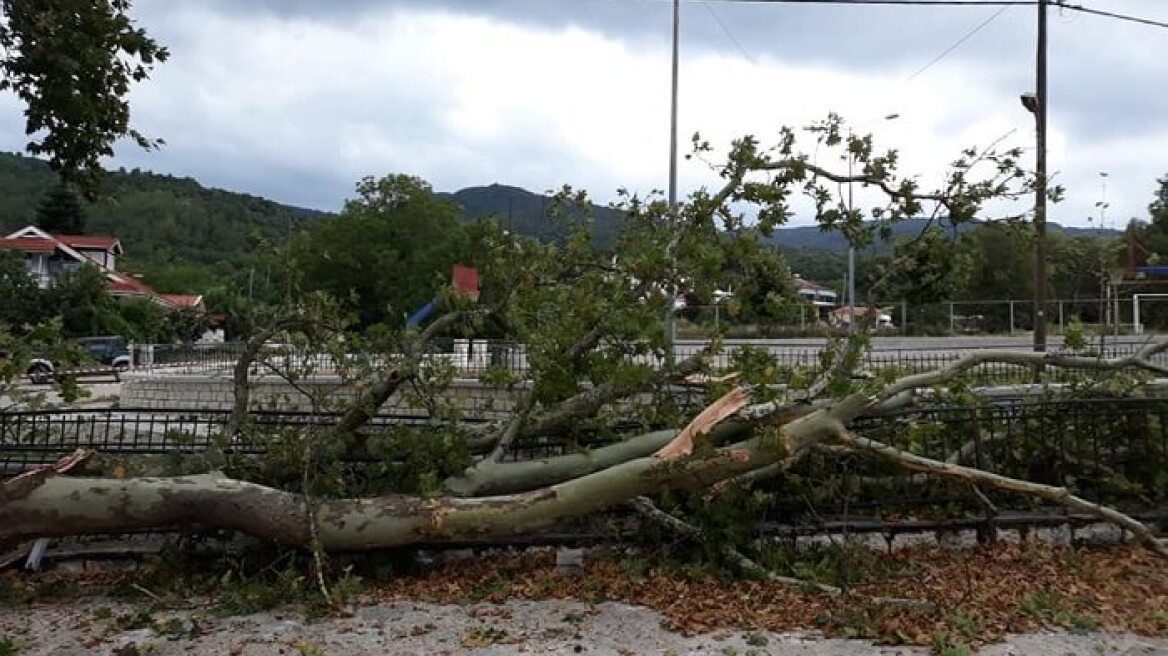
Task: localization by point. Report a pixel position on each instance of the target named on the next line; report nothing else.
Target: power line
(966, 3)
(1111, 14)
(957, 44)
(940, 3)
(729, 34)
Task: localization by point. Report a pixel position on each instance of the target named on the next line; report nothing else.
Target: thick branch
(586, 343)
(371, 400)
(71, 506)
(241, 388)
(650, 511)
(586, 403)
(1058, 495)
(1140, 360)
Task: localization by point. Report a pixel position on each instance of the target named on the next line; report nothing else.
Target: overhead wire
(957, 44)
(1111, 14)
(968, 3)
(726, 30)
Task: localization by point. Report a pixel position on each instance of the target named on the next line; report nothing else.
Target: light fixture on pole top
(851, 282)
(1102, 204)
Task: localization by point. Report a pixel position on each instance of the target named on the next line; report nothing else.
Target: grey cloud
(858, 36)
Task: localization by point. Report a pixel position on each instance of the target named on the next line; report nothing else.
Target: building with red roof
(49, 256)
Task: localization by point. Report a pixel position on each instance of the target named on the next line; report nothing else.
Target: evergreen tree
(60, 211)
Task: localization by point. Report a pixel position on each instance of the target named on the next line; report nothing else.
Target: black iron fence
(1107, 450)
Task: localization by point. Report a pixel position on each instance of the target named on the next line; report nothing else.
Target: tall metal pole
(851, 254)
(1040, 186)
(851, 281)
(669, 327)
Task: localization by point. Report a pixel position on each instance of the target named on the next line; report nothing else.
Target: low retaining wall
(216, 392)
(471, 397)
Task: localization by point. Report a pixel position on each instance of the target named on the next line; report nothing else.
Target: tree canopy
(72, 62)
(388, 253)
(61, 212)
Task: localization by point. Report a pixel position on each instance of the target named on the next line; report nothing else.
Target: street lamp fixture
(1030, 102)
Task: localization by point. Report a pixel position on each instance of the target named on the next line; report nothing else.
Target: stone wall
(215, 392)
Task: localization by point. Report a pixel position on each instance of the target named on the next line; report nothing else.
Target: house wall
(38, 269)
(100, 257)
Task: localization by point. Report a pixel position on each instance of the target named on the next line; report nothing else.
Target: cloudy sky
(297, 99)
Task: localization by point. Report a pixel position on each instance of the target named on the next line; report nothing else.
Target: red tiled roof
(128, 284)
(88, 241)
(29, 245)
(182, 300)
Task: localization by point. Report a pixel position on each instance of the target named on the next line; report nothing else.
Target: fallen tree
(596, 354)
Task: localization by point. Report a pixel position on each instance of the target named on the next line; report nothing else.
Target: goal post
(1137, 326)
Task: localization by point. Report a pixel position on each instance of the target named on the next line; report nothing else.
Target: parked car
(39, 370)
(109, 350)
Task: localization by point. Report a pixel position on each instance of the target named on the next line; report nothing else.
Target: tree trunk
(70, 506)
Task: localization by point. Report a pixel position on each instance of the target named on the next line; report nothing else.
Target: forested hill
(188, 238)
(525, 213)
(162, 220)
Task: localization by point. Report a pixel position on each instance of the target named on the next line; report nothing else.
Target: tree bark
(1059, 495)
(62, 506)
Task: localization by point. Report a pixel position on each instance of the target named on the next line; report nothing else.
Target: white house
(49, 256)
(822, 297)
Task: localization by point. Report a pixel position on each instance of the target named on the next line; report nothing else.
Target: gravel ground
(548, 627)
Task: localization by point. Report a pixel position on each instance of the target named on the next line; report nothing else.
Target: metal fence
(475, 358)
(31, 438)
(1107, 450)
(1112, 315)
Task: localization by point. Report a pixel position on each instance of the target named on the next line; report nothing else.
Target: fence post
(904, 317)
(461, 354)
(1011, 317)
(481, 356)
(1062, 324)
(988, 533)
(952, 331)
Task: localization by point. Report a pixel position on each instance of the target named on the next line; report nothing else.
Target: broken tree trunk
(68, 506)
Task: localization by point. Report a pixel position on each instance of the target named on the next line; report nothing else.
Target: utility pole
(670, 356)
(1040, 185)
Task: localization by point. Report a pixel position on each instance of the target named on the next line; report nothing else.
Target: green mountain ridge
(185, 237)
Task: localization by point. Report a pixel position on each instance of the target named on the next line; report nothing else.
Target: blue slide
(421, 315)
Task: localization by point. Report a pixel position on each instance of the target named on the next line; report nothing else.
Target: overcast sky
(297, 99)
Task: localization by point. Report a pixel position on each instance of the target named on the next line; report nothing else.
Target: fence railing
(1107, 450)
(474, 358)
(1114, 315)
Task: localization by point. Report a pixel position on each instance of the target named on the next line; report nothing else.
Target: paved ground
(550, 627)
(101, 394)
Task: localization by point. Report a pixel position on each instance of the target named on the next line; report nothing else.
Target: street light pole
(670, 356)
(1040, 185)
(851, 253)
(851, 282)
